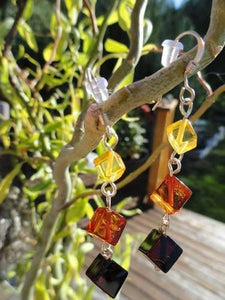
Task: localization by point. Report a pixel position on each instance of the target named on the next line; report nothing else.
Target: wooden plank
(199, 273)
(164, 117)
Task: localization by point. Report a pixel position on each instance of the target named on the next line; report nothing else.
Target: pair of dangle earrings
(172, 194)
(106, 224)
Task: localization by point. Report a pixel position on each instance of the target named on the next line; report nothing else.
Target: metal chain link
(165, 224)
(110, 132)
(175, 161)
(106, 250)
(186, 103)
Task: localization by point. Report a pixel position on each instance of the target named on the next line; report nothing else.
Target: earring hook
(200, 50)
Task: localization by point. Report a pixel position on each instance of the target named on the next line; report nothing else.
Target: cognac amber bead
(107, 225)
(182, 136)
(171, 195)
(109, 166)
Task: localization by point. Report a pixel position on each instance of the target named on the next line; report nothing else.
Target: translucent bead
(109, 166)
(161, 250)
(171, 195)
(107, 275)
(182, 136)
(106, 225)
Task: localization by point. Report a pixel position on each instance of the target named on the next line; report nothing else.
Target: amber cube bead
(107, 275)
(171, 194)
(106, 225)
(182, 136)
(109, 166)
(161, 250)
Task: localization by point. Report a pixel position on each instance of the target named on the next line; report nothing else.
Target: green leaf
(89, 210)
(7, 181)
(124, 13)
(73, 7)
(127, 80)
(147, 29)
(76, 211)
(5, 127)
(131, 212)
(113, 18)
(148, 48)
(39, 187)
(53, 126)
(28, 10)
(4, 70)
(27, 34)
(115, 47)
(123, 203)
(89, 295)
(21, 52)
(5, 27)
(86, 247)
(40, 289)
(47, 53)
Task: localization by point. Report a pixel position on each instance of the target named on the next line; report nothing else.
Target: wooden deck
(199, 274)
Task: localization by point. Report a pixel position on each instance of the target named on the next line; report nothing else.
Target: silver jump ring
(110, 132)
(106, 250)
(109, 192)
(164, 226)
(174, 161)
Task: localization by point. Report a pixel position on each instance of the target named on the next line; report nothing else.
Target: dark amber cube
(161, 250)
(107, 225)
(107, 275)
(171, 195)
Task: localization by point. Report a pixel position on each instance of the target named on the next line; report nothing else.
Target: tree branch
(11, 34)
(136, 43)
(136, 94)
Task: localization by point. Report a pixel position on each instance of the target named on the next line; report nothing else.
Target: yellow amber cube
(182, 136)
(109, 166)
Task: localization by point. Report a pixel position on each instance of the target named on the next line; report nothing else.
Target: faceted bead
(182, 136)
(107, 275)
(161, 250)
(106, 225)
(109, 166)
(171, 194)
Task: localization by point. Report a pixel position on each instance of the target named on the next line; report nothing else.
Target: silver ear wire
(192, 66)
(172, 48)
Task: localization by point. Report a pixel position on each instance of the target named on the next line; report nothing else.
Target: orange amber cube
(109, 166)
(182, 136)
(171, 195)
(106, 225)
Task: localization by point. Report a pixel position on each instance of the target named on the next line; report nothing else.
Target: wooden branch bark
(88, 132)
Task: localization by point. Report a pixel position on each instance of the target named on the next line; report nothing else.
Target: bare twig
(92, 17)
(136, 43)
(11, 34)
(207, 103)
(98, 44)
(81, 195)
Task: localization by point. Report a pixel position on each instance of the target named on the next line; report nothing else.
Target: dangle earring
(172, 194)
(106, 224)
